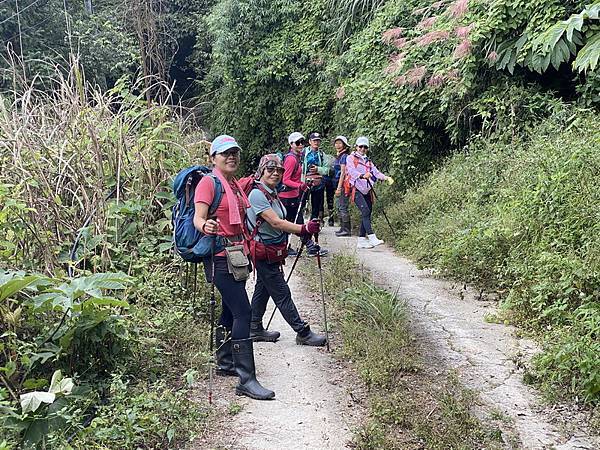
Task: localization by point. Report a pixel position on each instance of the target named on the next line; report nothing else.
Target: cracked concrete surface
(482, 354)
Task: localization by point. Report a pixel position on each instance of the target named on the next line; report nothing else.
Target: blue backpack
(191, 244)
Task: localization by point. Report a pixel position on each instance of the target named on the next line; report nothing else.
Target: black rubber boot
(307, 337)
(243, 359)
(345, 230)
(330, 221)
(223, 352)
(259, 334)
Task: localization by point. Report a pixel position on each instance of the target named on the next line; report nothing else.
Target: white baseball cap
(363, 140)
(295, 136)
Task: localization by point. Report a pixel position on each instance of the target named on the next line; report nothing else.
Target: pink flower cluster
(400, 81)
(431, 37)
(453, 74)
(436, 80)
(439, 79)
(415, 76)
(395, 60)
(462, 50)
(391, 34)
(463, 32)
(459, 8)
(400, 43)
(492, 56)
(426, 24)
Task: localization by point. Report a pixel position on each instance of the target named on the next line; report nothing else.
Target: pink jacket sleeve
(289, 166)
(376, 173)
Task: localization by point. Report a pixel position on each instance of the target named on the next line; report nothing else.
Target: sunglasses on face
(300, 142)
(231, 152)
(363, 146)
(273, 169)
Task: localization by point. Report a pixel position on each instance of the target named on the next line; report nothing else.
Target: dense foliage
(101, 332)
(418, 77)
(521, 216)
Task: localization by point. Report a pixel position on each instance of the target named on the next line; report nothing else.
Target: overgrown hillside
(520, 216)
(501, 85)
(102, 331)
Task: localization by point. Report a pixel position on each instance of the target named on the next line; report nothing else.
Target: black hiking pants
(317, 197)
(270, 282)
(330, 194)
(291, 206)
(364, 203)
(236, 311)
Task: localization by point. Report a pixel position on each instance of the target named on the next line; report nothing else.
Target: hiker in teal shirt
(315, 168)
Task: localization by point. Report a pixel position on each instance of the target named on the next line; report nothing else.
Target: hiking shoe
(342, 233)
(307, 337)
(373, 240)
(259, 334)
(363, 242)
(322, 251)
(292, 252)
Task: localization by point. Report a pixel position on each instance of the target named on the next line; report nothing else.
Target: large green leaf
(60, 385)
(16, 284)
(31, 401)
(587, 58)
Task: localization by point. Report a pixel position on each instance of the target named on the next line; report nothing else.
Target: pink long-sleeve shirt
(357, 165)
(292, 175)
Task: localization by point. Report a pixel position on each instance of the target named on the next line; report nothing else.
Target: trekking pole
(322, 290)
(302, 198)
(194, 285)
(287, 280)
(212, 322)
(383, 210)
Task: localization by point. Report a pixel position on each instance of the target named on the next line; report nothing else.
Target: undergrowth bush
(520, 215)
(85, 209)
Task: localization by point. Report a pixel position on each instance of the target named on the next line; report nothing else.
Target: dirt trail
(315, 404)
(451, 321)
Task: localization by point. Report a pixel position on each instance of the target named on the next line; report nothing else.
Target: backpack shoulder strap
(259, 220)
(296, 158)
(218, 194)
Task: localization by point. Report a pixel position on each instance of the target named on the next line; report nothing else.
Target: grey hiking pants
(343, 202)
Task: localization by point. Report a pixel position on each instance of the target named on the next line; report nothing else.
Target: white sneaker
(363, 242)
(373, 240)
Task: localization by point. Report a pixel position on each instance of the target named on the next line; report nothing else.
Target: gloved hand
(309, 229)
(314, 226)
(389, 180)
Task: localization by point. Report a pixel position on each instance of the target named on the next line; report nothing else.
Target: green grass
(411, 406)
(521, 216)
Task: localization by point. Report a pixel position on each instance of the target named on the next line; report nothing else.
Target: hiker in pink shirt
(362, 175)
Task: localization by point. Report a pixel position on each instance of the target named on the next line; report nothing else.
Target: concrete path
(316, 396)
(450, 321)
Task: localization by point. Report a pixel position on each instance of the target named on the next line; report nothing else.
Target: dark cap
(314, 136)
